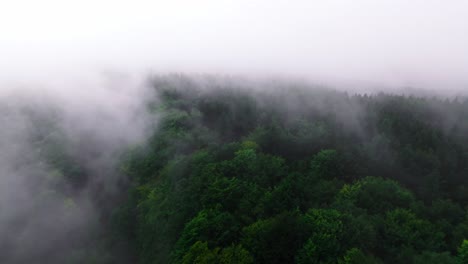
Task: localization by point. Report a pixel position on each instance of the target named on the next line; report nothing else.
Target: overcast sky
(422, 43)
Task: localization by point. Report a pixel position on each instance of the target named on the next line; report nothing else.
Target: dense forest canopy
(269, 172)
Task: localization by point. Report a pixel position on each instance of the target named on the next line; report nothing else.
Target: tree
(402, 229)
(212, 225)
(276, 239)
(199, 253)
(324, 243)
(428, 257)
(356, 256)
(327, 164)
(463, 252)
(375, 195)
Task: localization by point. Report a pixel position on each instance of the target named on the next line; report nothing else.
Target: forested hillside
(233, 132)
(235, 171)
(294, 174)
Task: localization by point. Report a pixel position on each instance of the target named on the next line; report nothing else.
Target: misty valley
(209, 169)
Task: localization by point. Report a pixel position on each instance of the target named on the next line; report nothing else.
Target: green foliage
(290, 175)
(327, 164)
(200, 253)
(403, 229)
(375, 195)
(356, 256)
(428, 257)
(219, 228)
(463, 252)
(275, 240)
(296, 176)
(324, 243)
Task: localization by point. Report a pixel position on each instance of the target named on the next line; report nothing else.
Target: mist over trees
(205, 169)
(59, 176)
(295, 174)
(220, 131)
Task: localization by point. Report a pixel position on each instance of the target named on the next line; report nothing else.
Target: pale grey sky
(394, 42)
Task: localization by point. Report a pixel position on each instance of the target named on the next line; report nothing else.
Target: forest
(298, 175)
(276, 172)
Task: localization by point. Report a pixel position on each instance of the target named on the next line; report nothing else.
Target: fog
(59, 164)
(85, 64)
(376, 44)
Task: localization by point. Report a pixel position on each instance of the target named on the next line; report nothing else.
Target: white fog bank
(386, 43)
